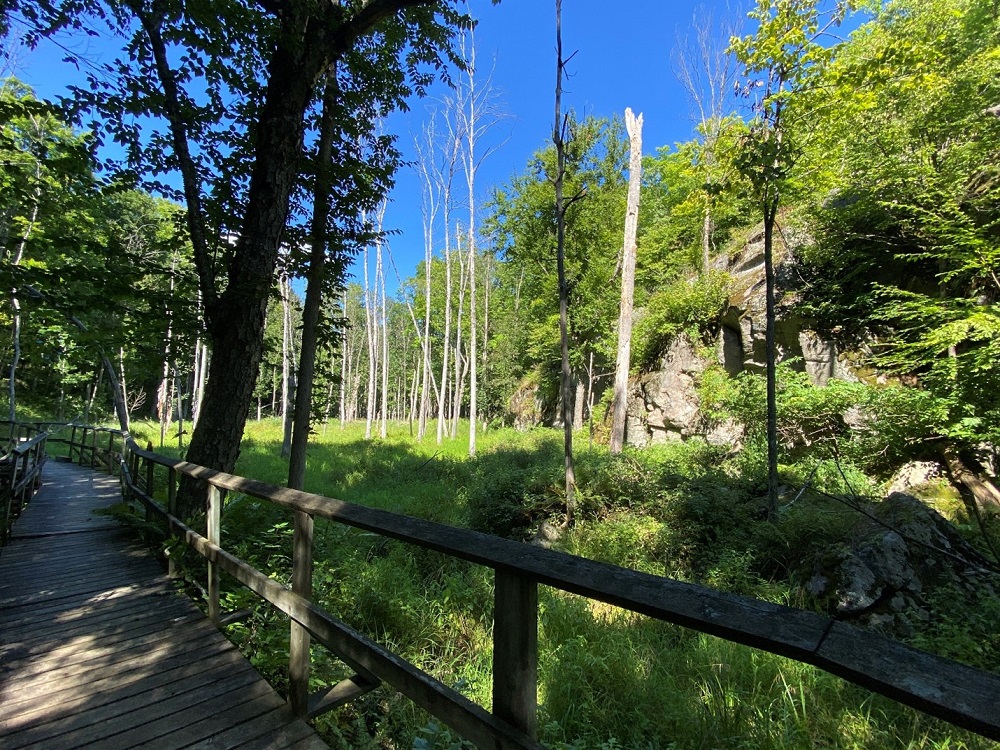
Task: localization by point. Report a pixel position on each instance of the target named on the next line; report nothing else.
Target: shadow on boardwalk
(98, 650)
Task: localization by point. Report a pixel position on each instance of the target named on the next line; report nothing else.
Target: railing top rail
(941, 687)
(24, 447)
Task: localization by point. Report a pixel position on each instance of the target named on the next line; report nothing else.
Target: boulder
(900, 550)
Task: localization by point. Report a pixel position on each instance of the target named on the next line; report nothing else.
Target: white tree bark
(622, 362)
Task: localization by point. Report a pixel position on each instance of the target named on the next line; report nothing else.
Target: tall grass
(607, 678)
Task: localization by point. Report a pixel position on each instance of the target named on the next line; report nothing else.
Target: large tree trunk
(622, 363)
(236, 317)
(984, 493)
(315, 276)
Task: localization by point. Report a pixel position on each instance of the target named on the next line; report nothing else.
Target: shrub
(692, 306)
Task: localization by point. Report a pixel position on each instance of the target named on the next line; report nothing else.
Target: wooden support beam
(298, 653)
(345, 691)
(515, 651)
(214, 535)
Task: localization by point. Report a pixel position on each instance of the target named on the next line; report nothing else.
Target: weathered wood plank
(102, 652)
(960, 694)
(112, 660)
(128, 714)
(515, 651)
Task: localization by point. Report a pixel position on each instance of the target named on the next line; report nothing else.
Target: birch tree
(708, 72)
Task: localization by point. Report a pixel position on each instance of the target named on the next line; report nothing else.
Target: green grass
(607, 678)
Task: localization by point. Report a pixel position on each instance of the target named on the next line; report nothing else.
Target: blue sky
(621, 58)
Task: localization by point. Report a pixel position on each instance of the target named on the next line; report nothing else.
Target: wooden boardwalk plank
(98, 650)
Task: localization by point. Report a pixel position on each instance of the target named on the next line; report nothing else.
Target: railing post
(172, 510)
(149, 477)
(93, 450)
(111, 451)
(298, 655)
(515, 650)
(83, 442)
(214, 533)
(25, 468)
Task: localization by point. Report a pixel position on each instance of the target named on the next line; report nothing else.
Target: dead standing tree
(634, 126)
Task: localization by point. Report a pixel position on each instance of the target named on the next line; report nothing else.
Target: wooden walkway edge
(98, 650)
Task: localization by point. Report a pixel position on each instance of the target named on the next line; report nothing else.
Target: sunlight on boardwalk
(97, 650)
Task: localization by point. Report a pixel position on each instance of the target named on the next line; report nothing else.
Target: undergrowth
(608, 679)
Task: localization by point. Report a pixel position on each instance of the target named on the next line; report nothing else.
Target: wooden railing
(964, 696)
(20, 471)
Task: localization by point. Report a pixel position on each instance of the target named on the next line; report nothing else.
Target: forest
(762, 360)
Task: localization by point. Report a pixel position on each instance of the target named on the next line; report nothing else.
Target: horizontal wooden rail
(940, 687)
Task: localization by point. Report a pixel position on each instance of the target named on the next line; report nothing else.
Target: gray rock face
(913, 474)
(664, 405)
(904, 549)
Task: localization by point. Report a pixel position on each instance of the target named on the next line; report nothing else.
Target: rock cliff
(664, 404)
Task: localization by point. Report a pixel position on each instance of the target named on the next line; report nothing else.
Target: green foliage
(692, 307)
(908, 246)
(512, 488)
(521, 228)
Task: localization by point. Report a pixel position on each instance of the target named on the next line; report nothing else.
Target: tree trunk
(287, 368)
(579, 398)
(560, 206)
(770, 214)
(15, 303)
(456, 402)
(380, 280)
(442, 402)
(623, 360)
(372, 351)
(315, 277)
(984, 493)
(15, 358)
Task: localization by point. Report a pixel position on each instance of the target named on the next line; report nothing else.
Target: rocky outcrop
(900, 551)
(664, 404)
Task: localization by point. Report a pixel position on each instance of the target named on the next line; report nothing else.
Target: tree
(238, 141)
(559, 132)
(634, 126)
(705, 69)
(906, 248)
(782, 57)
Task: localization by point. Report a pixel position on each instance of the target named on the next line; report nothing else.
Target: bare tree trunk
(203, 373)
(345, 357)
(121, 368)
(380, 279)
(443, 401)
(473, 363)
(372, 352)
(426, 375)
(578, 402)
(770, 214)
(287, 372)
(622, 363)
(558, 135)
(456, 404)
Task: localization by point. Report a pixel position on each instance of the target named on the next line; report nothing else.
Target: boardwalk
(97, 650)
